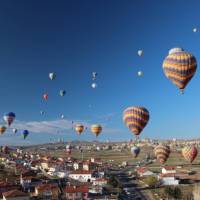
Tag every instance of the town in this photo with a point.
(95, 170)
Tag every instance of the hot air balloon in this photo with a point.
(42, 112)
(9, 118)
(94, 85)
(94, 76)
(189, 153)
(62, 93)
(2, 129)
(79, 128)
(140, 73)
(96, 129)
(25, 133)
(162, 153)
(62, 116)
(45, 96)
(52, 75)
(14, 130)
(140, 53)
(68, 149)
(5, 149)
(136, 118)
(179, 66)
(194, 30)
(135, 151)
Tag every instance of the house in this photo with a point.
(100, 181)
(15, 195)
(142, 171)
(76, 192)
(168, 170)
(46, 191)
(82, 176)
(86, 166)
(77, 165)
(168, 179)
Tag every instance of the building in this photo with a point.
(168, 179)
(47, 191)
(142, 171)
(168, 170)
(76, 192)
(15, 195)
(82, 176)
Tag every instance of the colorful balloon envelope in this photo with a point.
(189, 153)
(79, 128)
(179, 66)
(2, 129)
(9, 118)
(136, 118)
(45, 96)
(135, 151)
(52, 75)
(96, 129)
(162, 153)
(25, 133)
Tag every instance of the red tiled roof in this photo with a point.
(76, 189)
(169, 168)
(81, 172)
(14, 193)
(141, 170)
(47, 187)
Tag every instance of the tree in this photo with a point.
(173, 192)
(177, 193)
(112, 181)
(151, 181)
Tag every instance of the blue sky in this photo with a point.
(74, 38)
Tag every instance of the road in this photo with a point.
(130, 189)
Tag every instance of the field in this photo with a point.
(117, 157)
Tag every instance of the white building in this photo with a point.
(82, 176)
(168, 179)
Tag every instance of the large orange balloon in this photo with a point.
(79, 128)
(189, 153)
(136, 118)
(96, 129)
(162, 153)
(179, 66)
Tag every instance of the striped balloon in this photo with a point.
(162, 153)
(179, 66)
(96, 129)
(79, 128)
(189, 153)
(136, 118)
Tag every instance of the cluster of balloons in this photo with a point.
(95, 129)
(179, 66)
(45, 96)
(162, 153)
(94, 77)
(9, 119)
(140, 53)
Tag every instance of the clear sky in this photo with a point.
(73, 38)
